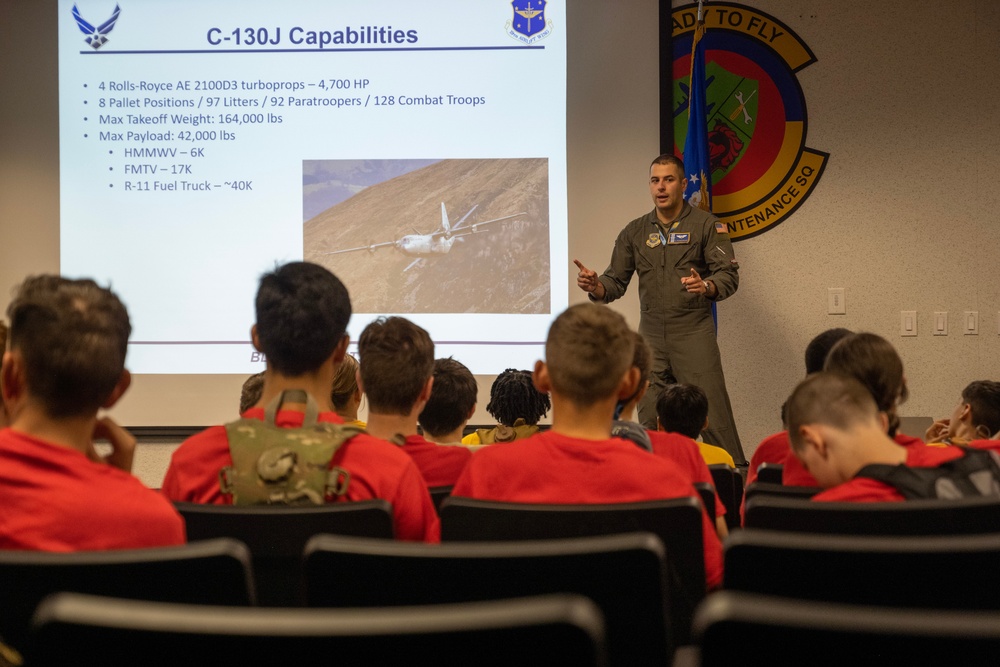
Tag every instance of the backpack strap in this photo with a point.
(975, 473)
(912, 483)
(293, 396)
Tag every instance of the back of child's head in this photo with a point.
(820, 346)
(588, 352)
(829, 399)
(345, 383)
(874, 362)
(682, 408)
(513, 396)
(253, 389)
(453, 395)
(397, 359)
(302, 314)
(983, 397)
(72, 335)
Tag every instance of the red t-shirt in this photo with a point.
(378, 470)
(440, 465)
(53, 498)
(553, 468)
(867, 490)
(685, 452)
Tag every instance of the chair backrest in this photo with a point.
(707, 493)
(760, 489)
(968, 516)
(770, 473)
(726, 479)
(209, 572)
(677, 522)
(940, 571)
(624, 574)
(76, 629)
(730, 626)
(438, 494)
(277, 535)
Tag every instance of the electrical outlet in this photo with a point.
(835, 301)
(941, 323)
(908, 322)
(971, 322)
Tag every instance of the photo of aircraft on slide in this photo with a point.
(433, 243)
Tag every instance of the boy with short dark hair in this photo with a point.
(65, 362)
(837, 430)
(683, 408)
(397, 364)
(588, 368)
(976, 417)
(452, 402)
(302, 313)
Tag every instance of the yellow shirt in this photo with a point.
(713, 455)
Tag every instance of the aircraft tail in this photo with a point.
(444, 220)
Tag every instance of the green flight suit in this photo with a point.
(678, 324)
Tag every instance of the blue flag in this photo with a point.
(699, 171)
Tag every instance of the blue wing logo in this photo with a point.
(96, 37)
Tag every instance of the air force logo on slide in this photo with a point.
(529, 24)
(96, 37)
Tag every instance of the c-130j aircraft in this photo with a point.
(434, 243)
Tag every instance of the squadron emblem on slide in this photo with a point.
(96, 37)
(528, 24)
(761, 168)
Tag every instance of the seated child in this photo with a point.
(683, 408)
(397, 365)
(302, 311)
(976, 417)
(588, 368)
(837, 429)
(452, 402)
(253, 389)
(516, 404)
(346, 395)
(64, 363)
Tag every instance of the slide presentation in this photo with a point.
(416, 149)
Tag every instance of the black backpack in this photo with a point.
(974, 474)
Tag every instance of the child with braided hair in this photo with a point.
(516, 405)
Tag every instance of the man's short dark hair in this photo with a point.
(513, 396)
(874, 362)
(588, 351)
(820, 346)
(453, 396)
(669, 158)
(72, 335)
(983, 397)
(831, 399)
(397, 359)
(682, 408)
(302, 314)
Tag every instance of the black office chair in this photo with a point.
(727, 480)
(735, 628)
(277, 535)
(544, 631)
(968, 516)
(438, 494)
(770, 473)
(624, 574)
(208, 572)
(942, 572)
(677, 522)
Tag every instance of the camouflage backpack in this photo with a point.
(285, 466)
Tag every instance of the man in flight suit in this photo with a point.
(685, 262)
